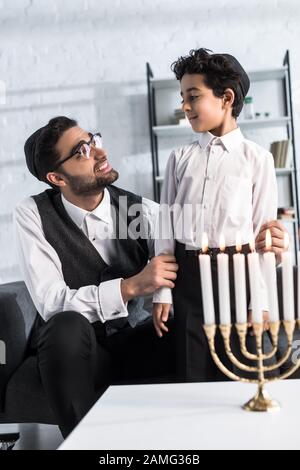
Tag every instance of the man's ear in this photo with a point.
(228, 98)
(56, 179)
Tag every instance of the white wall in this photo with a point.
(86, 59)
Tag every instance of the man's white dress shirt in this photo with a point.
(41, 267)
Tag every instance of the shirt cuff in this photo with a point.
(111, 303)
(163, 296)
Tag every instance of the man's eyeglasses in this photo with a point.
(83, 149)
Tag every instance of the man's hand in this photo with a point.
(159, 272)
(266, 319)
(160, 317)
(277, 230)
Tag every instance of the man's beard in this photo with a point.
(84, 186)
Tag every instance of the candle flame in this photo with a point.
(204, 242)
(222, 243)
(286, 240)
(268, 240)
(238, 242)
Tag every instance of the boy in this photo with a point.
(230, 180)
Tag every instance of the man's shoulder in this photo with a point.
(29, 201)
(26, 213)
(27, 204)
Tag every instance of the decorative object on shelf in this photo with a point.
(248, 108)
(286, 213)
(261, 401)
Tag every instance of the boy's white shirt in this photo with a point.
(232, 180)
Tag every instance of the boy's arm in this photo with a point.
(164, 234)
(265, 194)
(264, 203)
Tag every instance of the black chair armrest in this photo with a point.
(17, 315)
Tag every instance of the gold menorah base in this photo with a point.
(261, 402)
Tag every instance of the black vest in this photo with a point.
(82, 265)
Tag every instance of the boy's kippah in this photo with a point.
(244, 79)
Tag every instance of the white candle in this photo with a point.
(270, 278)
(223, 283)
(206, 284)
(254, 278)
(240, 283)
(287, 282)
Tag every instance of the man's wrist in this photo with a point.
(128, 289)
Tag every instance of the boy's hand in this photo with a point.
(277, 230)
(160, 316)
(266, 319)
(161, 271)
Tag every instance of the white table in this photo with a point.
(189, 416)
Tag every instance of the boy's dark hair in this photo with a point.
(219, 72)
(46, 154)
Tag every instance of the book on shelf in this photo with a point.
(286, 213)
(281, 153)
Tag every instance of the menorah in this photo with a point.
(261, 401)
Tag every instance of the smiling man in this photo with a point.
(86, 281)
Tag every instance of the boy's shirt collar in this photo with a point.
(229, 140)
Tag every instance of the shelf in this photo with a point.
(173, 130)
(254, 76)
(267, 74)
(290, 221)
(185, 130)
(267, 122)
(284, 171)
(159, 179)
